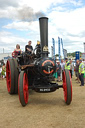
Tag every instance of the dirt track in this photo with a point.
(43, 110)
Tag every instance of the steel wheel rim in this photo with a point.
(64, 86)
(25, 88)
(8, 76)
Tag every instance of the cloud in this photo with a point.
(66, 19)
(7, 3)
(31, 10)
(70, 26)
(76, 3)
(82, 34)
(24, 26)
(18, 26)
(8, 41)
(22, 14)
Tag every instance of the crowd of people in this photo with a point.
(60, 67)
(79, 69)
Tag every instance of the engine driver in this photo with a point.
(29, 48)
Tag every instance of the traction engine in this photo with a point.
(35, 71)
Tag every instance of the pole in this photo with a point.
(3, 50)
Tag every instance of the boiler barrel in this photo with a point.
(43, 21)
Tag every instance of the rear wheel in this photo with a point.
(10, 76)
(23, 88)
(67, 87)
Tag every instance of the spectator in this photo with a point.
(84, 68)
(67, 64)
(71, 67)
(62, 67)
(0, 71)
(58, 69)
(77, 70)
(3, 71)
(29, 48)
(81, 72)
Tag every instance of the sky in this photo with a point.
(19, 23)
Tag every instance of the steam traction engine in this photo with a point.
(35, 71)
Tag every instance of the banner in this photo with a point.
(53, 41)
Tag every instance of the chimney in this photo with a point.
(43, 22)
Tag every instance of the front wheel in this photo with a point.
(67, 86)
(23, 88)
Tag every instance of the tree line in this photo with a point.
(70, 54)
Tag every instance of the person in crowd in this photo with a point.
(55, 73)
(84, 69)
(71, 67)
(58, 69)
(77, 70)
(83, 61)
(62, 67)
(3, 71)
(67, 64)
(81, 72)
(29, 48)
(0, 71)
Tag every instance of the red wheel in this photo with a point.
(10, 76)
(23, 88)
(67, 87)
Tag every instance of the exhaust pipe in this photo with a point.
(43, 22)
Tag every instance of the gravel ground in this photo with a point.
(43, 110)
